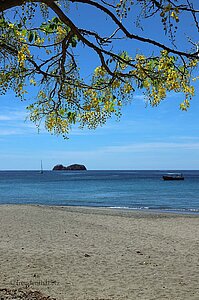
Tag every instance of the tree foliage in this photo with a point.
(40, 45)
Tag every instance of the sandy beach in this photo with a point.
(98, 254)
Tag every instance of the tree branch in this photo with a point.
(133, 36)
(6, 4)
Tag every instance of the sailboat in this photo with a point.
(41, 171)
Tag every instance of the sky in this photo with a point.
(145, 138)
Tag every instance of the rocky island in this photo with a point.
(74, 167)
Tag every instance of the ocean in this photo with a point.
(114, 189)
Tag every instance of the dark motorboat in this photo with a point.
(173, 176)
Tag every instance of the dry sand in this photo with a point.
(98, 254)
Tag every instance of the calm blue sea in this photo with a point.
(115, 189)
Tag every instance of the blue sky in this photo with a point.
(145, 138)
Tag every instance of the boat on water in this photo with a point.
(41, 171)
(173, 176)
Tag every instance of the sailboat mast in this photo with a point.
(41, 167)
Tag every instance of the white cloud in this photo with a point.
(13, 122)
(131, 148)
(143, 147)
(5, 132)
(185, 138)
(5, 118)
(139, 97)
(13, 116)
(18, 129)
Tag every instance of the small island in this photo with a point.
(74, 167)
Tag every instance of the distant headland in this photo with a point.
(74, 167)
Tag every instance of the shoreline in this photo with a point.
(75, 253)
(191, 212)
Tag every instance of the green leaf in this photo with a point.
(73, 42)
(30, 36)
(56, 20)
(52, 26)
(71, 117)
(24, 31)
(35, 35)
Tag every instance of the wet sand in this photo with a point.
(99, 254)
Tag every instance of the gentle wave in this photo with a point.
(188, 210)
